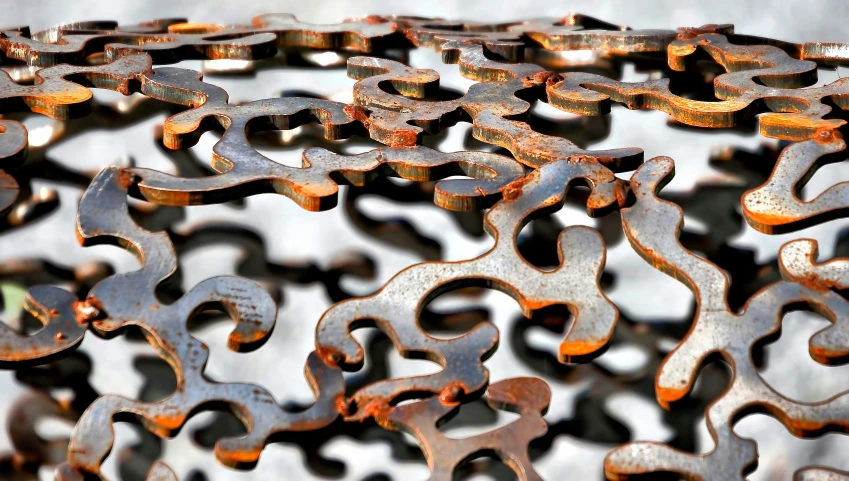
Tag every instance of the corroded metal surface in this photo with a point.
(527, 396)
(652, 226)
(580, 250)
(171, 40)
(104, 215)
(518, 169)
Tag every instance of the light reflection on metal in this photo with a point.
(44, 134)
(325, 59)
(227, 66)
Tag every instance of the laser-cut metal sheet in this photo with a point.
(172, 40)
(652, 226)
(104, 216)
(758, 76)
(528, 396)
(731, 80)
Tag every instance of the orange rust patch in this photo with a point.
(451, 393)
(330, 356)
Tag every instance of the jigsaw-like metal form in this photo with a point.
(758, 76)
(396, 307)
(104, 218)
(652, 227)
(775, 206)
(708, 77)
(172, 40)
(527, 396)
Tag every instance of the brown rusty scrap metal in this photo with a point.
(396, 307)
(527, 396)
(13, 150)
(760, 79)
(571, 32)
(104, 218)
(244, 171)
(491, 105)
(34, 203)
(652, 226)
(172, 40)
(775, 206)
(184, 87)
(65, 324)
(30, 447)
(59, 91)
(398, 105)
(509, 40)
(824, 53)
(65, 320)
(314, 186)
(63, 317)
(32, 451)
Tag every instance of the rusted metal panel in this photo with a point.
(764, 79)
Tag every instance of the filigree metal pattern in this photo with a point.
(729, 81)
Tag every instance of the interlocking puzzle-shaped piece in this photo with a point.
(243, 170)
(51, 73)
(527, 396)
(396, 307)
(173, 40)
(508, 40)
(652, 226)
(104, 218)
(64, 327)
(13, 151)
(775, 207)
(61, 91)
(491, 106)
(31, 448)
(759, 79)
